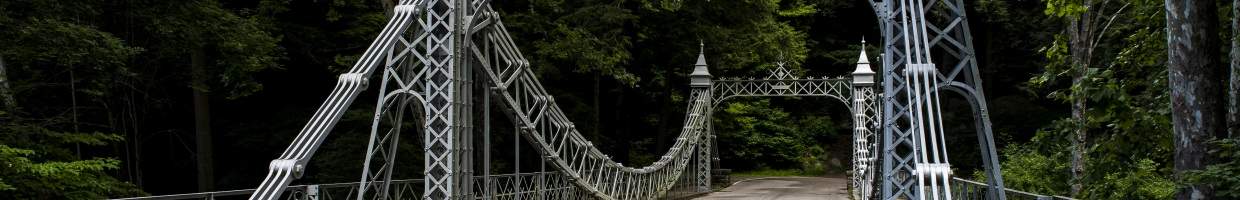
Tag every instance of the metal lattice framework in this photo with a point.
(914, 161)
(781, 82)
(857, 94)
(451, 40)
(435, 54)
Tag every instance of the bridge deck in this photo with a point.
(785, 188)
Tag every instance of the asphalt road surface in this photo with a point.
(785, 188)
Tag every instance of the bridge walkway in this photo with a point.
(784, 188)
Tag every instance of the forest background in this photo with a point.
(106, 98)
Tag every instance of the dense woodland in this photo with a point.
(1093, 99)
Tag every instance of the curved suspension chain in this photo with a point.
(549, 130)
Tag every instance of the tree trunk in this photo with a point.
(202, 119)
(595, 134)
(1233, 89)
(1196, 82)
(1080, 33)
(7, 103)
(388, 7)
(621, 133)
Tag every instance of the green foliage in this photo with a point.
(590, 36)
(1223, 176)
(1146, 180)
(34, 163)
(1065, 8)
(44, 39)
(1042, 168)
(637, 54)
(755, 135)
(103, 69)
(1027, 170)
(1128, 116)
(239, 46)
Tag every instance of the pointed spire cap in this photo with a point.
(701, 61)
(863, 76)
(863, 58)
(701, 75)
(699, 68)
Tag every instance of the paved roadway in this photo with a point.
(784, 188)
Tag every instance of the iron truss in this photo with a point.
(431, 53)
(782, 82)
(914, 159)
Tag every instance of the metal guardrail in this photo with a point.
(400, 188)
(534, 185)
(969, 190)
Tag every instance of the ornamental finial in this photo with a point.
(863, 76)
(701, 75)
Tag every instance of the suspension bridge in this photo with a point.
(442, 65)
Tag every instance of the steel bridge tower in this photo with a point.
(911, 87)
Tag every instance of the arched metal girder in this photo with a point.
(947, 34)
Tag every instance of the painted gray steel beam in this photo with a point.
(948, 33)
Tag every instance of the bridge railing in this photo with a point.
(686, 185)
(968, 190)
(534, 185)
(400, 189)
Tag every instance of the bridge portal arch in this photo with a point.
(857, 93)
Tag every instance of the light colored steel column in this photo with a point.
(516, 159)
(487, 193)
(862, 95)
(542, 179)
(700, 79)
(441, 19)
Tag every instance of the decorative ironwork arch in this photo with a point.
(782, 82)
(856, 93)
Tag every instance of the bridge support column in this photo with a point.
(864, 113)
(447, 92)
(700, 80)
(947, 34)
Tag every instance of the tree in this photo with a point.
(1233, 83)
(1087, 22)
(1224, 175)
(36, 161)
(224, 49)
(1128, 120)
(639, 53)
(1196, 80)
(35, 165)
(7, 103)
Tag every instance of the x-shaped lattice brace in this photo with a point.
(947, 32)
